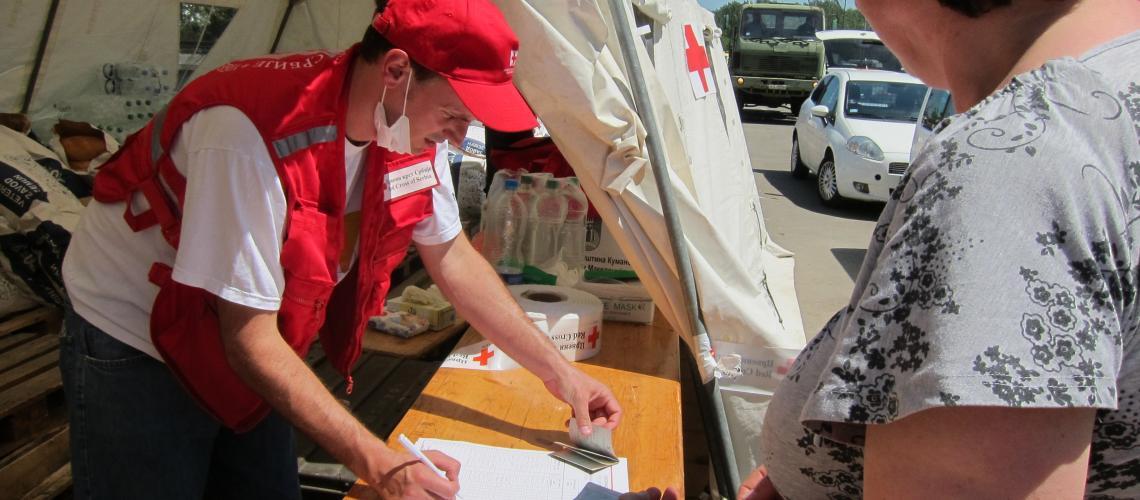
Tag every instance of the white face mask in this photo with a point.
(396, 138)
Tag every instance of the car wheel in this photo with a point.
(740, 103)
(795, 107)
(827, 185)
(799, 170)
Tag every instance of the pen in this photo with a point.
(420, 455)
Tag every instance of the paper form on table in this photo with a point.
(490, 472)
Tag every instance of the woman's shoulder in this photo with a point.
(1052, 120)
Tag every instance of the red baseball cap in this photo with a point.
(470, 44)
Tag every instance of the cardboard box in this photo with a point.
(628, 301)
(602, 251)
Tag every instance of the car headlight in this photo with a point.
(865, 147)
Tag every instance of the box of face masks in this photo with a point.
(602, 250)
(621, 301)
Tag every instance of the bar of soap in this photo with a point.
(400, 324)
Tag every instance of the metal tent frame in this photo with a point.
(709, 398)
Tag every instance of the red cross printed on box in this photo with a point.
(484, 356)
(700, 73)
(593, 338)
(785, 367)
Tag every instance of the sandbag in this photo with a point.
(38, 215)
(83, 146)
(83, 149)
(16, 121)
(13, 298)
(14, 295)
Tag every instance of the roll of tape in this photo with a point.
(571, 318)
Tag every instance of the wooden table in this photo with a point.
(640, 363)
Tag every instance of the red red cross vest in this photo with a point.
(297, 102)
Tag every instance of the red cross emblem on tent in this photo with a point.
(700, 73)
(593, 337)
(484, 356)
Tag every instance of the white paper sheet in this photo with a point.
(490, 472)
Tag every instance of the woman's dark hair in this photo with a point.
(373, 45)
(972, 8)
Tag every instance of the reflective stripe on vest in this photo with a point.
(301, 140)
(156, 136)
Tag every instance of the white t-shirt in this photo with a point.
(232, 230)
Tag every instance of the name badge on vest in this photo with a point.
(408, 180)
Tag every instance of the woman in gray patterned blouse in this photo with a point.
(989, 349)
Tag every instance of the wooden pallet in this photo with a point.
(34, 456)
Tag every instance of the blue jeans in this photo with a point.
(135, 433)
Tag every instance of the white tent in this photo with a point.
(744, 281)
(595, 95)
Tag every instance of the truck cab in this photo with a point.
(776, 58)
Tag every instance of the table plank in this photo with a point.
(640, 363)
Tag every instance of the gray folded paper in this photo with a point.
(592, 453)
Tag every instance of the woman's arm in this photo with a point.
(979, 452)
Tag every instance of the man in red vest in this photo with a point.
(268, 202)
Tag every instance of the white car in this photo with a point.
(857, 49)
(937, 106)
(854, 132)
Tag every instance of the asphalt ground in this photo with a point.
(829, 243)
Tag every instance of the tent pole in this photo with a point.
(281, 28)
(31, 88)
(723, 455)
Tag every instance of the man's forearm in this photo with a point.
(479, 297)
(263, 359)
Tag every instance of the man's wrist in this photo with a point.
(554, 368)
(371, 457)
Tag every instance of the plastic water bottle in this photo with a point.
(137, 87)
(527, 189)
(549, 214)
(540, 179)
(527, 194)
(494, 191)
(538, 186)
(498, 180)
(505, 226)
(125, 71)
(573, 234)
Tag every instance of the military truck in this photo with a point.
(776, 59)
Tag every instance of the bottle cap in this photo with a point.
(511, 184)
(551, 183)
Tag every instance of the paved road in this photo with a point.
(829, 243)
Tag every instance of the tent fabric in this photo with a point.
(85, 36)
(21, 35)
(249, 34)
(590, 114)
(571, 70)
(326, 24)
